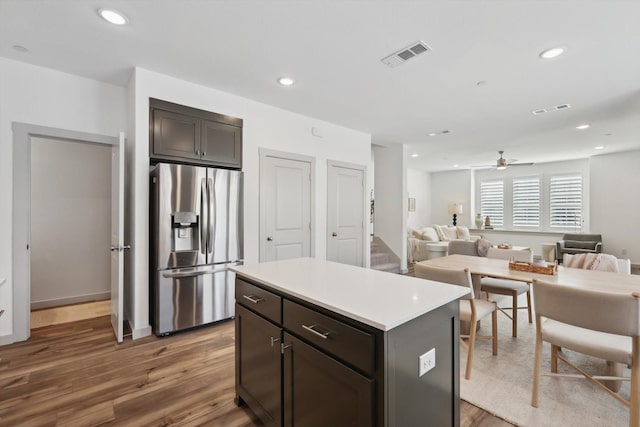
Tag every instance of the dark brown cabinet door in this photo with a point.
(320, 391)
(258, 365)
(221, 144)
(175, 135)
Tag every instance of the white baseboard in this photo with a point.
(140, 332)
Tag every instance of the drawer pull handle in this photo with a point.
(324, 336)
(253, 299)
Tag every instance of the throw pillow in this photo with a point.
(482, 246)
(441, 235)
(429, 234)
(451, 233)
(463, 233)
(415, 233)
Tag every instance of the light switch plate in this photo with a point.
(427, 361)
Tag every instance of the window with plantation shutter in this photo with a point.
(492, 201)
(526, 202)
(565, 201)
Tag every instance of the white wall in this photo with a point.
(448, 188)
(418, 185)
(615, 202)
(391, 199)
(70, 222)
(264, 127)
(44, 97)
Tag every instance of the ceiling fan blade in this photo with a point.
(483, 166)
(521, 164)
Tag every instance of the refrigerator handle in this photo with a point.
(204, 217)
(212, 215)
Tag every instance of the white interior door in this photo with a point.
(285, 208)
(117, 237)
(345, 213)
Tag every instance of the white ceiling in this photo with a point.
(334, 49)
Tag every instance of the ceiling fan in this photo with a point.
(502, 163)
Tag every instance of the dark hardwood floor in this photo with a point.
(75, 374)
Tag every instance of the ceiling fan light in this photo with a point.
(501, 167)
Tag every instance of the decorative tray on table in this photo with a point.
(544, 268)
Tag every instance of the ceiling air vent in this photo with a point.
(406, 54)
(548, 109)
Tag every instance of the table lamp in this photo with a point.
(455, 209)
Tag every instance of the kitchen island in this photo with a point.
(320, 343)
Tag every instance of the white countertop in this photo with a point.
(379, 299)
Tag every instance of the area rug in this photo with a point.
(502, 384)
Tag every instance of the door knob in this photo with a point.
(334, 234)
(269, 239)
(114, 248)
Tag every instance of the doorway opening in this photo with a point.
(70, 230)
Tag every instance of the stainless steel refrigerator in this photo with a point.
(196, 234)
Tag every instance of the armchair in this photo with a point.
(578, 243)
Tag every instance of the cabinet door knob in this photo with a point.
(269, 238)
(334, 234)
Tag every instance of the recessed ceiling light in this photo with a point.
(552, 53)
(20, 49)
(456, 166)
(599, 147)
(286, 81)
(584, 126)
(415, 155)
(112, 16)
(432, 134)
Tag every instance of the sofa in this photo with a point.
(578, 243)
(431, 241)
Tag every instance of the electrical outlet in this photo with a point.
(623, 251)
(427, 361)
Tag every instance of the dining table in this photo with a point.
(606, 281)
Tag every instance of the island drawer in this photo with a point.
(350, 344)
(259, 300)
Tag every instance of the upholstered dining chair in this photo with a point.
(471, 309)
(599, 324)
(511, 288)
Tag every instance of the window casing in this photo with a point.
(546, 201)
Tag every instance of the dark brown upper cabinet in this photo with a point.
(189, 135)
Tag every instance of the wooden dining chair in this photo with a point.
(512, 288)
(471, 309)
(600, 324)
